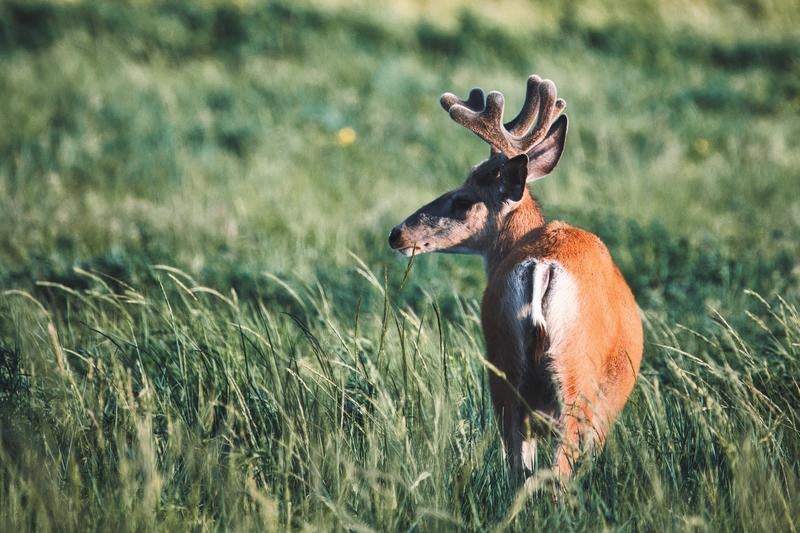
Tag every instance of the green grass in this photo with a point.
(201, 324)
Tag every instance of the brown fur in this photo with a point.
(561, 326)
(599, 360)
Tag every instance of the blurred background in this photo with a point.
(228, 138)
(263, 150)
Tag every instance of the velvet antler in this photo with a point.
(483, 115)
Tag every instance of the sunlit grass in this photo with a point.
(184, 405)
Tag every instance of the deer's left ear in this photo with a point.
(513, 177)
(543, 158)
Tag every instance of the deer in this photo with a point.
(562, 329)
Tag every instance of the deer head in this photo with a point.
(472, 218)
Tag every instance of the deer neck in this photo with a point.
(513, 228)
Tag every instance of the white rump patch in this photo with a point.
(541, 281)
(560, 307)
(528, 284)
(543, 295)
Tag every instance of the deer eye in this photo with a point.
(462, 203)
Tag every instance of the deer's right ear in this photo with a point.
(545, 155)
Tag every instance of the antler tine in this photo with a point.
(522, 122)
(476, 100)
(530, 109)
(549, 108)
(480, 114)
(486, 123)
(483, 115)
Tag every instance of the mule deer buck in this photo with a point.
(561, 326)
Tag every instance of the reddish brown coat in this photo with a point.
(596, 358)
(562, 329)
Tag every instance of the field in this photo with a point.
(202, 326)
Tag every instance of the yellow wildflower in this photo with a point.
(346, 136)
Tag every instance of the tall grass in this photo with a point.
(182, 405)
(201, 325)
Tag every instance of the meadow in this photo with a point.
(202, 326)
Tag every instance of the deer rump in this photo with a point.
(537, 303)
(565, 346)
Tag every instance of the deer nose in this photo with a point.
(394, 237)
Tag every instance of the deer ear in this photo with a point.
(513, 177)
(544, 157)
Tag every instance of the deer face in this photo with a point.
(469, 218)
(459, 221)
